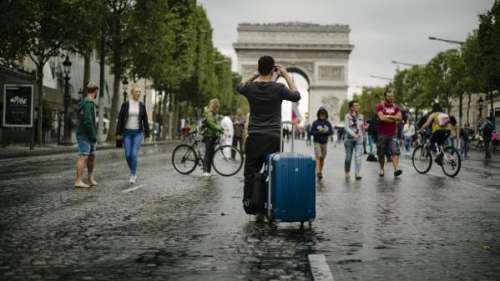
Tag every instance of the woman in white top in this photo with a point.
(132, 127)
(408, 133)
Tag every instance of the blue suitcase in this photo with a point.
(292, 188)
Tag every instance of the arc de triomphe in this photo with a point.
(320, 53)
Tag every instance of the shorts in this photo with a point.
(320, 150)
(386, 144)
(85, 147)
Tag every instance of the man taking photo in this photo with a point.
(264, 96)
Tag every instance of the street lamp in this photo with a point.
(446, 40)
(404, 63)
(125, 87)
(381, 77)
(67, 70)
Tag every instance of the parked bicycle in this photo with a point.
(423, 156)
(227, 161)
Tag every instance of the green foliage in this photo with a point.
(489, 46)
(368, 100)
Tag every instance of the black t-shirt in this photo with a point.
(265, 98)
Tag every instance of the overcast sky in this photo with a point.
(381, 30)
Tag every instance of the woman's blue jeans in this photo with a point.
(132, 140)
(355, 147)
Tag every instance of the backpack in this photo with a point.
(487, 127)
(443, 119)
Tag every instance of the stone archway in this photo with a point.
(318, 52)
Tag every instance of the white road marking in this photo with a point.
(132, 189)
(319, 268)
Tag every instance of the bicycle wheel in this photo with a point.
(227, 161)
(421, 159)
(184, 159)
(451, 161)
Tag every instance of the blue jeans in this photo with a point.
(464, 148)
(408, 144)
(132, 140)
(352, 145)
(371, 142)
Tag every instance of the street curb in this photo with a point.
(70, 149)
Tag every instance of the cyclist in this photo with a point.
(440, 124)
(212, 133)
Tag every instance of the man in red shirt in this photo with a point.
(389, 114)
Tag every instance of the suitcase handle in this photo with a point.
(282, 141)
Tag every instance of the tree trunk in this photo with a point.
(117, 63)
(171, 116)
(164, 115)
(468, 106)
(39, 91)
(86, 71)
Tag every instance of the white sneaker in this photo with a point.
(132, 179)
(81, 184)
(206, 174)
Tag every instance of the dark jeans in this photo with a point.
(237, 141)
(439, 137)
(487, 146)
(257, 149)
(209, 153)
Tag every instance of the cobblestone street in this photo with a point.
(173, 227)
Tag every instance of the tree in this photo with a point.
(474, 81)
(88, 16)
(489, 45)
(37, 29)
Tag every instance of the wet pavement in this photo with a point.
(173, 227)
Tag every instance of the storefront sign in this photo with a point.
(18, 106)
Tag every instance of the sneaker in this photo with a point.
(207, 174)
(347, 176)
(320, 176)
(260, 218)
(92, 182)
(358, 177)
(439, 159)
(81, 184)
(398, 173)
(381, 173)
(132, 179)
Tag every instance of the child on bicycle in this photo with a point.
(440, 124)
(212, 133)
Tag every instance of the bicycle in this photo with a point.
(227, 161)
(422, 157)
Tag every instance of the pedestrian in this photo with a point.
(308, 134)
(486, 128)
(465, 140)
(86, 136)
(211, 135)
(372, 136)
(453, 140)
(353, 143)
(389, 114)
(408, 133)
(265, 97)
(227, 138)
(132, 128)
(239, 131)
(321, 129)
